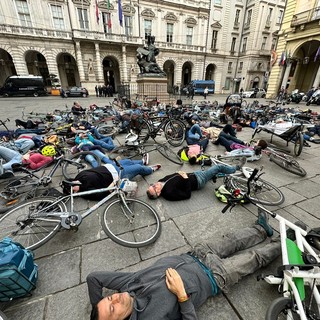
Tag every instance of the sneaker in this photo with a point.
(263, 222)
(145, 159)
(243, 161)
(156, 167)
(7, 174)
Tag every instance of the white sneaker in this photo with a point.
(145, 159)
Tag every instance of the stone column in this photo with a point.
(80, 62)
(98, 62)
(124, 64)
(316, 81)
(286, 75)
(19, 62)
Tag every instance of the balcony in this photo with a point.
(236, 25)
(230, 69)
(34, 32)
(268, 24)
(180, 46)
(305, 17)
(246, 26)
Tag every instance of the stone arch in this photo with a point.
(111, 71)
(169, 67)
(36, 63)
(210, 71)
(67, 69)
(148, 13)
(186, 73)
(7, 67)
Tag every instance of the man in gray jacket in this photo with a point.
(175, 286)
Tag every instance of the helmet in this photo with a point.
(48, 151)
(131, 139)
(222, 193)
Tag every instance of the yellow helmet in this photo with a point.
(48, 151)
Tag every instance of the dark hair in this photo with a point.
(179, 102)
(263, 144)
(151, 195)
(94, 313)
(193, 160)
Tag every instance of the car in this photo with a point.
(77, 92)
(250, 93)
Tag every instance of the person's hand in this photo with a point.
(183, 174)
(175, 283)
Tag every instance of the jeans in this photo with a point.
(10, 156)
(193, 137)
(228, 268)
(106, 143)
(100, 155)
(204, 176)
(24, 145)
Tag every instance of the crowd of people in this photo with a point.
(184, 282)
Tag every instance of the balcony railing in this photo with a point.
(305, 17)
(180, 46)
(36, 32)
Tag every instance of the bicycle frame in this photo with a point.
(294, 279)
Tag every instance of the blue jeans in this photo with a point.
(24, 145)
(10, 156)
(204, 176)
(106, 143)
(193, 137)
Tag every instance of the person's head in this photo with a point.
(154, 190)
(118, 306)
(262, 143)
(179, 102)
(76, 104)
(193, 159)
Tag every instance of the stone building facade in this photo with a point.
(88, 43)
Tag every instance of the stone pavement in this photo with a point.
(65, 261)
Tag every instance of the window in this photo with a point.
(230, 67)
(1, 17)
(280, 15)
(189, 35)
(83, 18)
(249, 14)
(23, 13)
(217, 2)
(147, 28)
(237, 17)
(128, 26)
(240, 66)
(214, 39)
(273, 43)
(57, 17)
(264, 42)
(233, 44)
(244, 44)
(169, 32)
(227, 84)
(269, 16)
(106, 20)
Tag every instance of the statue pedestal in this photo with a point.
(153, 86)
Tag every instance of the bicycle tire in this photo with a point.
(77, 163)
(24, 227)
(261, 191)
(298, 144)
(143, 131)
(3, 316)
(175, 132)
(144, 229)
(128, 152)
(107, 130)
(169, 154)
(230, 160)
(290, 165)
(278, 310)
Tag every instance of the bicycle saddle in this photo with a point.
(313, 238)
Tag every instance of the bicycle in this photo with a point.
(128, 222)
(262, 191)
(29, 185)
(300, 268)
(134, 148)
(153, 124)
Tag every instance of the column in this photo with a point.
(286, 75)
(19, 62)
(80, 62)
(317, 79)
(124, 64)
(98, 62)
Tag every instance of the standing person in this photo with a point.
(191, 92)
(241, 92)
(205, 92)
(256, 90)
(175, 286)
(178, 186)
(97, 91)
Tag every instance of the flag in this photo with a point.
(317, 54)
(109, 16)
(97, 12)
(120, 12)
(281, 59)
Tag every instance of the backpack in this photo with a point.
(18, 272)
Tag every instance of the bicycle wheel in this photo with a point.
(79, 162)
(29, 224)
(143, 130)
(261, 191)
(3, 316)
(131, 223)
(174, 132)
(169, 154)
(230, 160)
(128, 152)
(288, 163)
(281, 308)
(107, 130)
(298, 144)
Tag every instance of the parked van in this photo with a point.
(200, 85)
(23, 86)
